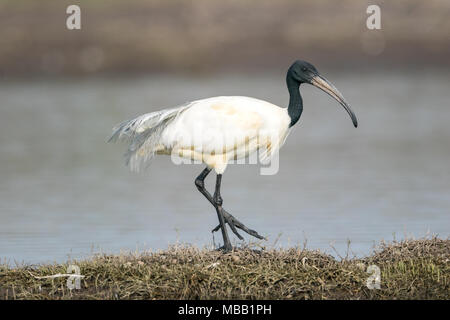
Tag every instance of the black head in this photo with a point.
(304, 72)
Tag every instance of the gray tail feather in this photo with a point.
(143, 135)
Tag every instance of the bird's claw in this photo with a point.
(235, 223)
(225, 249)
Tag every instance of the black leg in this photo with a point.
(218, 204)
(200, 184)
(232, 221)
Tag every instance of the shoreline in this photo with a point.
(409, 269)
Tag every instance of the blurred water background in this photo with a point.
(65, 192)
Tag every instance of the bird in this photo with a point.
(218, 130)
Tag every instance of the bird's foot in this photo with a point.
(235, 223)
(225, 248)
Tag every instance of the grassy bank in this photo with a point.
(413, 269)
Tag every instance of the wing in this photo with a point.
(221, 125)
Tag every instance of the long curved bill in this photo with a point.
(323, 84)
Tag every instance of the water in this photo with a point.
(65, 192)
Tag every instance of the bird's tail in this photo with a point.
(143, 135)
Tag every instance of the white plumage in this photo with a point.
(214, 131)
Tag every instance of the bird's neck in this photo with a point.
(295, 107)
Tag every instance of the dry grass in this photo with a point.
(413, 269)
